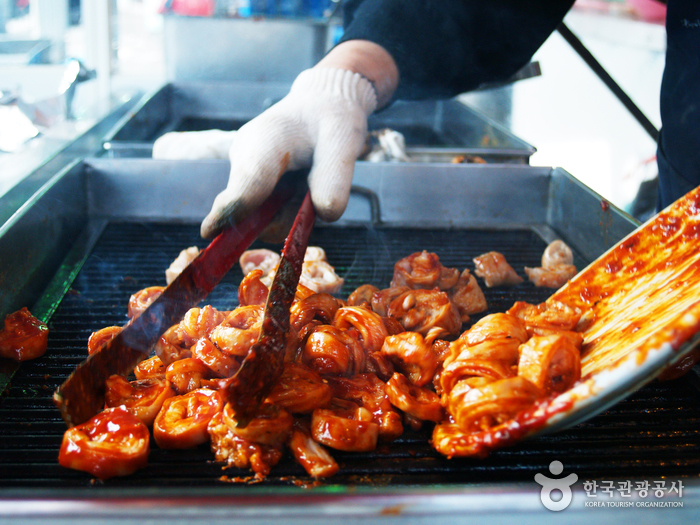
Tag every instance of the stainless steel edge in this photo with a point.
(456, 195)
(144, 150)
(157, 97)
(60, 283)
(34, 241)
(17, 51)
(160, 110)
(146, 189)
(474, 505)
(573, 205)
(511, 142)
(489, 155)
(460, 124)
(445, 195)
(131, 150)
(62, 280)
(239, 100)
(419, 194)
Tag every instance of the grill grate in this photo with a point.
(654, 432)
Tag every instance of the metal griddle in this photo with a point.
(104, 229)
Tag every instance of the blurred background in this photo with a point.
(64, 65)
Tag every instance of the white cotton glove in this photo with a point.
(321, 123)
(192, 145)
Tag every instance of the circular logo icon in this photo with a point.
(561, 484)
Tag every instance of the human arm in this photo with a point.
(400, 49)
(446, 47)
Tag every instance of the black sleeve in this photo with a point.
(446, 47)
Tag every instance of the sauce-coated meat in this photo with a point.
(551, 362)
(355, 373)
(182, 261)
(423, 270)
(412, 355)
(369, 392)
(23, 337)
(329, 350)
(183, 420)
(422, 310)
(102, 337)
(345, 426)
(556, 253)
(557, 266)
(142, 299)
(144, 397)
(467, 296)
(553, 277)
(493, 268)
(369, 325)
(300, 390)
(315, 459)
(113, 443)
(421, 403)
(252, 291)
(320, 277)
(476, 408)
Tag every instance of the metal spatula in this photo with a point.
(642, 304)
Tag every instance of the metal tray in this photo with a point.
(435, 131)
(256, 48)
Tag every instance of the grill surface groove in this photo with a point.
(654, 432)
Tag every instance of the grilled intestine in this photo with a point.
(423, 270)
(316, 273)
(261, 259)
(493, 268)
(557, 266)
(101, 337)
(356, 374)
(142, 299)
(496, 370)
(182, 261)
(23, 336)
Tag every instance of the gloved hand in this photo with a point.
(321, 123)
(180, 145)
